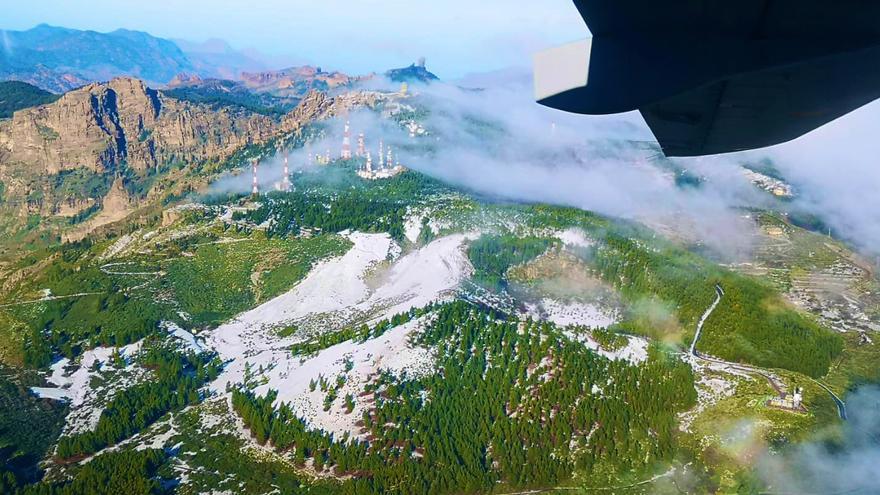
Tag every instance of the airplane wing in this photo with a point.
(713, 76)
(763, 108)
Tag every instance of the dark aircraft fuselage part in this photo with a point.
(715, 76)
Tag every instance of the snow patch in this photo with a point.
(635, 351)
(86, 402)
(421, 277)
(711, 388)
(574, 237)
(189, 340)
(117, 247)
(412, 227)
(334, 285)
(573, 313)
(391, 351)
(335, 290)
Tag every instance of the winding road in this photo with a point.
(49, 298)
(774, 381)
(841, 405)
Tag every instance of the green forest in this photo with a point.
(752, 324)
(493, 255)
(15, 95)
(178, 378)
(335, 199)
(222, 94)
(513, 403)
(129, 472)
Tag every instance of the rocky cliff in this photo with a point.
(101, 126)
(62, 158)
(296, 81)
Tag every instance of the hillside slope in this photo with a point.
(15, 95)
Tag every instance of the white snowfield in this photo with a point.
(574, 237)
(336, 291)
(392, 352)
(332, 286)
(412, 226)
(635, 351)
(574, 313)
(86, 403)
(188, 340)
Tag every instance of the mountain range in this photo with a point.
(101, 151)
(59, 59)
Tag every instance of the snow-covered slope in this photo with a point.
(335, 294)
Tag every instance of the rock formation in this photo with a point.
(104, 125)
(104, 132)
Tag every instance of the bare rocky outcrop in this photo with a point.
(101, 126)
(318, 106)
(104, 126)
(295, 80)
(122, 128)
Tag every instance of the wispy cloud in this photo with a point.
(497, 141)
(846, 466)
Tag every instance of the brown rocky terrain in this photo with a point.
(123, 121)
(101, 133)
(296, 80)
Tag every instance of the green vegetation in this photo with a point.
(751, 324)
(70, 326)
(85, 214)
(216, 282)
(177, 380)
(81, 184)
(493, 255)
(509, 406)
(221, 462)
(361, 334)
(28, 428)
(335, 199)
(349, 210)
(15, 95)
(131, 472)
(209, 280)
(222, 94)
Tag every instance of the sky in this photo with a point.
(456, 37)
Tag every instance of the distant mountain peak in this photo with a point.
(416, 72)
(295, 80)
(60, 59)
(184, 79)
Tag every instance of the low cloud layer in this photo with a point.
(495, 140)
(837, 171)
(847, 467)
(498, 141)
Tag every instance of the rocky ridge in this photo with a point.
(124, 129)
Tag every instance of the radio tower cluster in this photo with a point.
(256, 189)
(285, 181)
(386, 165)
(346, 143)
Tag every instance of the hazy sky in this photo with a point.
(456, 36)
